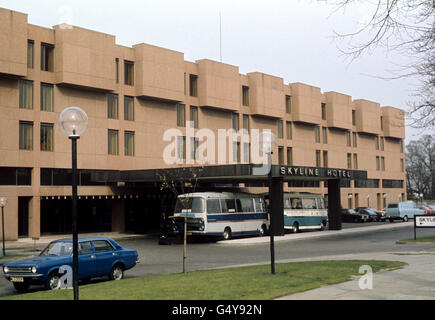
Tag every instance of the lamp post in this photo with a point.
(73, 121)
(267, 144)
(3, 201)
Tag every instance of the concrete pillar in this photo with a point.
(35, 217)
(334, 204)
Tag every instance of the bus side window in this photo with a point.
(247, 205)
(213, 206)
(238, 206)
(224, 206)
(231, 205)
(259, 207)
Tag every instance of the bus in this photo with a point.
(222, 214)
(304, 210)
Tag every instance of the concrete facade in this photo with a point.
(84, 67)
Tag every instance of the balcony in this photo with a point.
(84, 58)
(218, 85)
(159, 73)
(13, 41)
(266, 95)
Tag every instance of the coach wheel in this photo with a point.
(405, 219)
(295, 227)
(227, 233)
(263, 230)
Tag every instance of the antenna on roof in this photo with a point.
(220, 35)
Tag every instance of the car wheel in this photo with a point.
(227, 233)
(53, 282)
(21, 286)
(405, 219)
(295, 227)
(117, 272)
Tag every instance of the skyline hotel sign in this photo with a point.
(321, 173)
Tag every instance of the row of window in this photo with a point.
(47, 56)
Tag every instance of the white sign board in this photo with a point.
(425, 221)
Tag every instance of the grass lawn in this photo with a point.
(421, 239)
(253, 282)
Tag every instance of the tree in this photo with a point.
(406, 27)
(420, 167)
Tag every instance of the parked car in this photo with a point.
(402, 211)
(98, 257)
(380, 214)
(350, 215)
(427, 209)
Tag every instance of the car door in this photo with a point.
(87, 260)
(105, 256)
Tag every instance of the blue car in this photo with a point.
(98, 257)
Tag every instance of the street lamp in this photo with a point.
(73, 121)
(267, 143)
(3, 201)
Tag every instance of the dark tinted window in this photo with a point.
(392, 205)
(102, 246)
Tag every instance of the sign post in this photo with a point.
(423, 221)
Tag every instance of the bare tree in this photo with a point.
(408, 28)
(420, 167)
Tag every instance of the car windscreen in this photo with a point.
(57, 249)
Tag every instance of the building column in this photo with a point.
(118, 215)
(35, 217)
(334, 204)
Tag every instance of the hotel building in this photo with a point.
(132, 96)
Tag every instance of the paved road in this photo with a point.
(160, 259)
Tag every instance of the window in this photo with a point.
(382, 163)
(26, 135)
(117, 70)
(213, 206)
(349, 161)
(113, 146)
(280, 124)
(85, 248)
(194, 116)
(193, 85)
(325, 159)
(246, 152)
(317, 134)
(112, 106)
(46, 137)
(402, 165)
(382, 143)
(289, 156)
(401, 145)
(281, 155)
(30, 53)
(323, 106)
(194, 141)
(289, 132)
(15, 176)
(128, 73)
(235, 120)
(288, 104)
(378, 164)
(354, 139)
(128, 108)
(47, 97)
(246, 124)
(347, 139)
(47, 57)
(236, 151)
(355, 161)
(26, 94)
(102, 246)
(382, 122)
(324, 135)
(245, 95)
(129, 143)
(181, 115)
(353, 117)
(318, 160)
(377, 143)
(181, 147)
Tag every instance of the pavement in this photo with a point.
(416, 281)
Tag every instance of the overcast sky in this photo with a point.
(292, 39)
